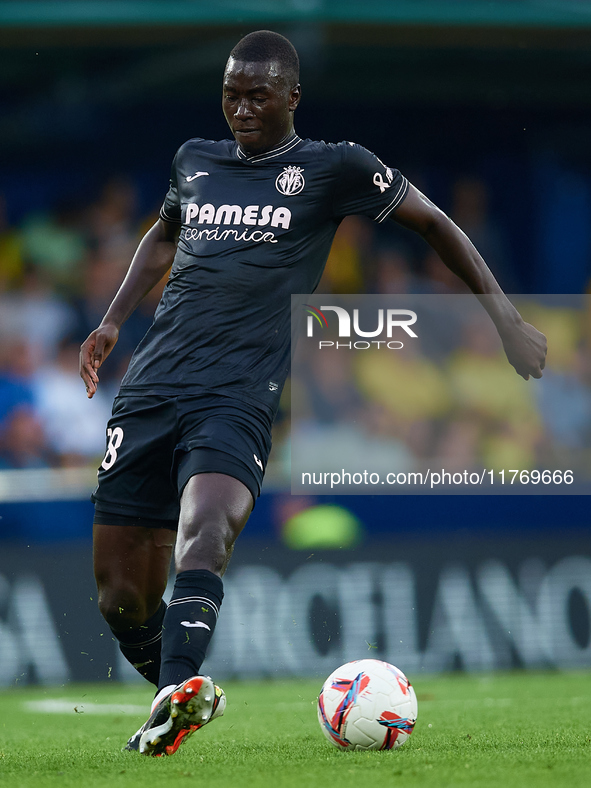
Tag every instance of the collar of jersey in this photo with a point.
(285, 147)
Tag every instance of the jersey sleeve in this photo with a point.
(171, 207)
(366, 186)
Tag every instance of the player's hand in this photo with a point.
(93, 352)
(526, 349)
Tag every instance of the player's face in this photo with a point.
(258, 104)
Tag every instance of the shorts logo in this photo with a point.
(258, 462)
(273, 386)
(290, 181)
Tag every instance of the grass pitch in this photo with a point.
(526, 729)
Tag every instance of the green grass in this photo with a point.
(503, 730)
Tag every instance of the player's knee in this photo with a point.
(122, 608)
(206, 537)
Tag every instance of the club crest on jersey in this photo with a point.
(290, 181)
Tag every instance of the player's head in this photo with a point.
(265, 46)
(261, 90)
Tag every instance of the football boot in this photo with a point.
(177, 712)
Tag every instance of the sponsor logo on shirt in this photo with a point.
(290, 181)
(253, 216)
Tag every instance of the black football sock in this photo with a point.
(188, 625)
(142, 646)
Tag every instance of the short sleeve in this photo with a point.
(366, 186)
(171, 207)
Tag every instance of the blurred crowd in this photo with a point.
(59, 271)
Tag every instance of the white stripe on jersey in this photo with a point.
(395, 202)
(287, 146)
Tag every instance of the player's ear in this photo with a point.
(295, 94)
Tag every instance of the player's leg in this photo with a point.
(221, 458)
(131, 567)
(214, 510)
(224, 449)
(136, 515)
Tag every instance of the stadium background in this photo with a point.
(486, 107)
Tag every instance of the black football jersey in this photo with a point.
(254, 230)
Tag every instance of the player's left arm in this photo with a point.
(524, 345)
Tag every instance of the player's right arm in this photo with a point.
(150, 263)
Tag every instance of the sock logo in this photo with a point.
(201, 624)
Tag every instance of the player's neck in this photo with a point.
(290, 134)
(287, 138)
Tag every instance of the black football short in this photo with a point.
(156, 443)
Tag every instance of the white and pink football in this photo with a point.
(367, 705)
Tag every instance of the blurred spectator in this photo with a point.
(36, 315)
(411, 388)
(458, 445)
(564, 400)
(11, 251)
(103, 274)
(22, 441)
(112, 220)
(349, 262)
(470, 211)
(16, 369)
(332, 420)
(393, 272)
(508, 447)
(485, 384)
(333, 395)
(486, 387)
(75, 425)
(55, 245)
(564, 395)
